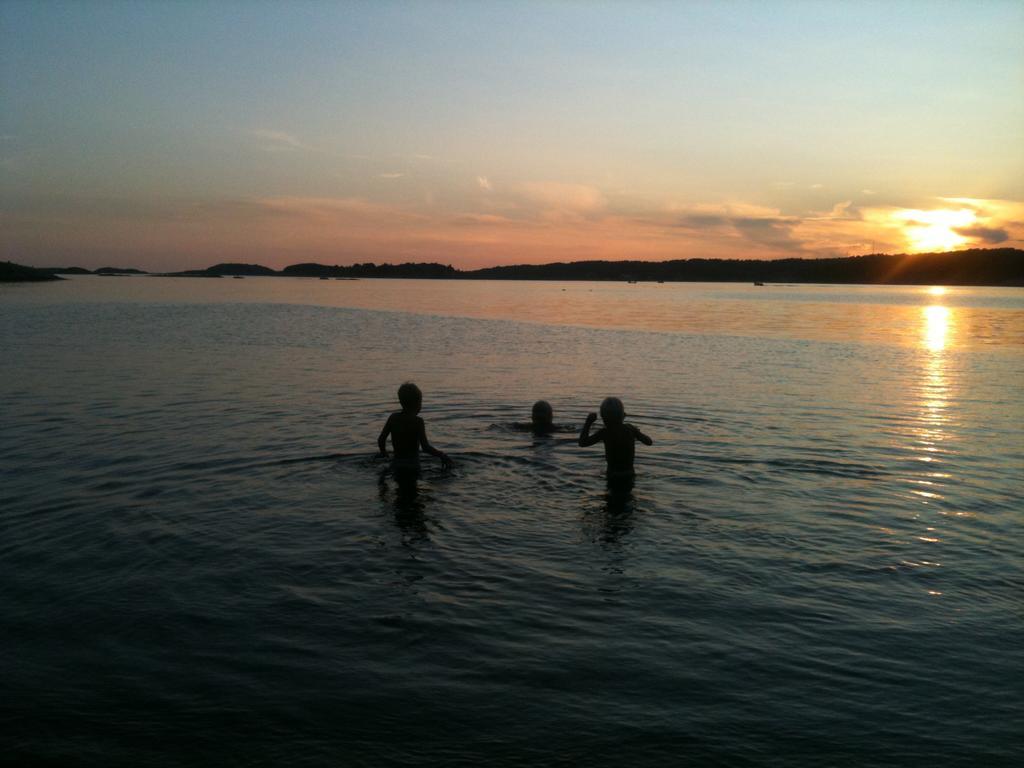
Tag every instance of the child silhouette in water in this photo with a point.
(619, 438)
(408, 433)
(541, 419)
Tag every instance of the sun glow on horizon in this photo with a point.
(935, 230)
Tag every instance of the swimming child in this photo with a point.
(408, 433)
(541, 419)
(619, 438)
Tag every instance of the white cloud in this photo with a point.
(484, 183)
(390, 175)
(843, 210)
(277, 141)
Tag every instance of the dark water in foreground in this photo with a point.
(821, 561)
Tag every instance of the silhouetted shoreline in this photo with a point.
(16, 273)
(977, 266)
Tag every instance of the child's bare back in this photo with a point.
(618, 437)
(407, 430)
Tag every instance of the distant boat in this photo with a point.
(325, 278)
(239, 277)
(758, 283)
(632, 282)
(660, 282)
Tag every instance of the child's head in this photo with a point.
(410, 397)
(613, 411)
(542, 413)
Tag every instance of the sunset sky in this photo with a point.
(178, 135)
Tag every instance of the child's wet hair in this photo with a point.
(542, 411)
(409, 395)
(613, 411)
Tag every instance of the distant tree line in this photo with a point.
(977, 266)
(996, 266)
(17, 273)
(435, 271)
(1002, 266)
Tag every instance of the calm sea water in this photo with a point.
(821, 561)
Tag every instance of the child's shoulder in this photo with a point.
(410, 418)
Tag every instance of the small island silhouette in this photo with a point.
(16, 273)
(975, 266)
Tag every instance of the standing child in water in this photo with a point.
(408, 433)
(619, 438)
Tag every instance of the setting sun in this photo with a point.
(935, 230)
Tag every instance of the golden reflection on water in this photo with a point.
(934, 389)
(931, 430)
(937, 321)
(928, 437)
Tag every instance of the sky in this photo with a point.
(176, 135)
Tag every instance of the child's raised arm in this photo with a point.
(426, 446)
(382, 441)
(585, 437)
